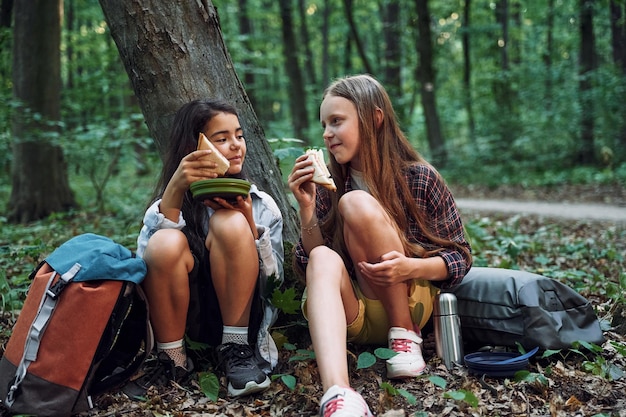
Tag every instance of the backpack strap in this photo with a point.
(35, 333)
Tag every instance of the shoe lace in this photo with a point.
(333, 405)
(401, 345)
(238, 355)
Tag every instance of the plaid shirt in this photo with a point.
(435, 200)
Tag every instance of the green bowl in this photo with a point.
(226, 188)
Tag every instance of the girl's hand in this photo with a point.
(193, 167)
(393, 268)
(300, 183)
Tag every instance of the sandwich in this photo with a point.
(215, 156)
(321, 175)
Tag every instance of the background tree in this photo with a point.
(173, 53)
(297, 95)
(427, 79)
(467, 68)
(40, 184)
(536, 137)
(587, 66)
(618, 42)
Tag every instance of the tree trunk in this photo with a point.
(467, 69)
(367, 67)
(427, 80)
(297, 94)
(618, 42)
(173, 53)
(504, 96)
(245, 29)
(587, 65)
(309, 65)
(39, 174)
(393, 56)
(548, 59)
(6, 11)
(325, 47)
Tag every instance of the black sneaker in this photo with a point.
(160, 374)
(243, 374)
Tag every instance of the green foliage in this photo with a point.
(393, 391)
(287, 379)
(460, 395)
(365, 360)
(11, 299)
(209, 385)
(302, 355)
(287, 300)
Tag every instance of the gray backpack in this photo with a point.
(499, 307)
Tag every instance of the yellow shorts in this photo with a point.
(371, 325)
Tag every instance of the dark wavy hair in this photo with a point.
(188, 122)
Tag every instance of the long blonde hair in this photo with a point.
(385, 155)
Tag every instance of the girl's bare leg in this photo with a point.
(368, 234)
(331, 303)
(234, 265)
(169, 261)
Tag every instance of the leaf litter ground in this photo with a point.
(560, 386)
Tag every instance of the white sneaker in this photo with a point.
(408, 362)
(343, 402)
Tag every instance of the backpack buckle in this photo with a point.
(55, 290)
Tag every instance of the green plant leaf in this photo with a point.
(549, 352)
(210, 385)
(437, 380)
(302, 355)
(286, 301)
(527, 376)
(390, 389)
(462, 395)
(289, 381)
(365, 360)
(621, 348)
(411, 399)
(289, 346)
(385, 353)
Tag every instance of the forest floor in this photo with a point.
(556, 386)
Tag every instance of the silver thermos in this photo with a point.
(448, 330)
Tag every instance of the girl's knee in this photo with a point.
(166, 246)
(324, 265)
(228, 223)
(360, 207)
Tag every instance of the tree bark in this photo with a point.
(547, 59)
(40, 184)
(297, 94)
(6, 11)
(467, 69)
(587, 65)
(309, 65)
(427, 80)
(367, 66)
(393, 55)
(618, 42)
(173, 53)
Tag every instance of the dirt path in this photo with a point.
(578, 211)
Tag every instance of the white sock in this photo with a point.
(233, 334)
(175, 350)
